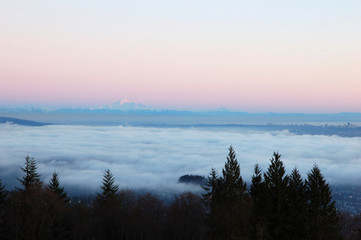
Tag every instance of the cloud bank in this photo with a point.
(142, 157)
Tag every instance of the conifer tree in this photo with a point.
(210, 187)
(234, 200)
(211, 201)
(231, 176)
(54, 186)
(276, 184)
(107, 210)
(322, 215)
(31, 179)
(257, 187)
(297, 206)
(110, 189)
(259, 197)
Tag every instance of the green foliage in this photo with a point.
(31, 178)
(54, 186)
(322, 216)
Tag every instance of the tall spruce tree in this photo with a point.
(322, 215)
(234, 200)
(259, 198)
(108, 210)
(110, 189)
(31, 178)
(54, 186)
(276, 184)
(210, 187)
(210, 200)
(297, 206)
(232, 180)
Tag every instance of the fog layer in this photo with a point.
(142, 157)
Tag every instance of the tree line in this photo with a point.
(274, 206)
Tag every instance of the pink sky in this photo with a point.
(200, 55)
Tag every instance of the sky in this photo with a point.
(254, 56)
(154, 158)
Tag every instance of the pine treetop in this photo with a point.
(257, 176)
(211, 180)
(321, 208)
(109, 188)
(231, 173)
(295, 178)
(31, 177)
(257, 181)
(318, 189)
(275, 175)
(231, 180)
(54, 186)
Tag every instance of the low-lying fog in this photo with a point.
(143, 157)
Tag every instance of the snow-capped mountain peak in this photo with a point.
(126, 105)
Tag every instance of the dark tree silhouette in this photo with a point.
(148, 218)
(107, 208)
(259, 197)
(211, 200)
(233, 203)
(185, 217)
(110, 189)
(31, 178)
(2, 194)
(54, 186)
(322, 216)
(276, 206)
(297, 206)
(210, 187)
(192, 179)
(276, 184)
(2, 210)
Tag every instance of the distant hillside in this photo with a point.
(21, 121)
(192, 179)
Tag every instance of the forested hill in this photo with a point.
(21, 121)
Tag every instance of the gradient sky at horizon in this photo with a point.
(255, 56)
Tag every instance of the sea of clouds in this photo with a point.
(154, 158)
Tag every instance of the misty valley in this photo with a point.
(167, 181)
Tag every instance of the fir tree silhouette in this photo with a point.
(54, 186)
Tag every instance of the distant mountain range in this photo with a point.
(124, 112)
(127, 106)
(122, 105)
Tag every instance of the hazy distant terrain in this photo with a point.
(20, 121)
(151, 151)
(127, 113)
(231, 122)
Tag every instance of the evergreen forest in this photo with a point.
(273, 206)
